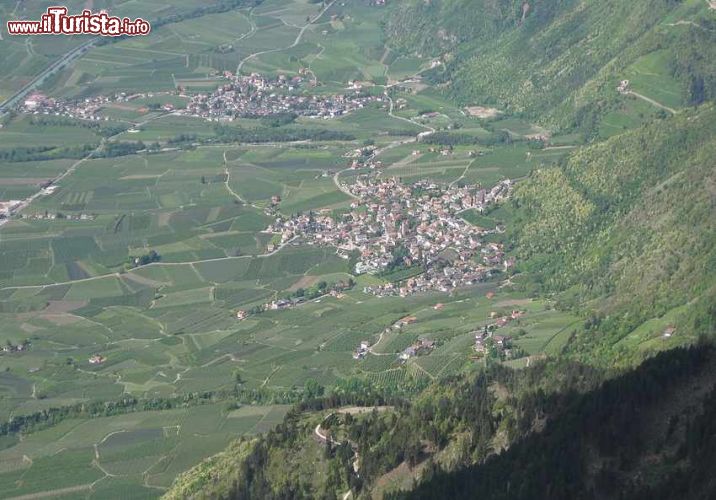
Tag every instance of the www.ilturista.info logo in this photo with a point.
(56, 22)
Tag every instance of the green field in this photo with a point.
(132, 456)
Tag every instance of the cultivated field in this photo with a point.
(145, 258)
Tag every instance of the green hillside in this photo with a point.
(628, 227)
(563, 62)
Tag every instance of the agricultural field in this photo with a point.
(26, 57)
(128, 456)
(338, 43)
(124, 279)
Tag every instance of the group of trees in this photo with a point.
(144, 259)
(606, 443)
(40, 153)
(225, 133)
(103, 129)
(319, 289)
(464, 139)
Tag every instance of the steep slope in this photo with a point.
(630, 222)
(562, 63)
(569, 436)
(647, 434)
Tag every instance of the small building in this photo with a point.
(501, 341)
(242, 315)
(97, 359)
(408, 353)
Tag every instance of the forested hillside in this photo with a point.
(647, 434)
(629, 222)
(567, 436)
(558, 61)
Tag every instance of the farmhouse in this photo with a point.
(362, 350)
(97, 359)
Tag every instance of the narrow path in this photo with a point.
(53, 493)
(295, 42)
(343, 187)
(390, 112)
(228, 185)
(462, 176)
(323, 437)
(652, 101)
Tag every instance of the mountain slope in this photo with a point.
(647, 434)
(560, 65)
(631, 222)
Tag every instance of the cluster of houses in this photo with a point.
(442, 279)
(11, 208)
(85, 109)
(10, 348)
(392, 225)
(59, 215)
(487, 341)
(422, 346)
(362, 350)
(256, 95)
(88, 108)
(364, 157)
(418, 348)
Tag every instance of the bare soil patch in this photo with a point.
(63, 306)
(304, 282)
(483, 112)
(61, 319)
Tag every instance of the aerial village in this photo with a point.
(240, 96)
(395, 226)
(256, 95)
(83, 109)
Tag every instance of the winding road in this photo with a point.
(295, 42)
